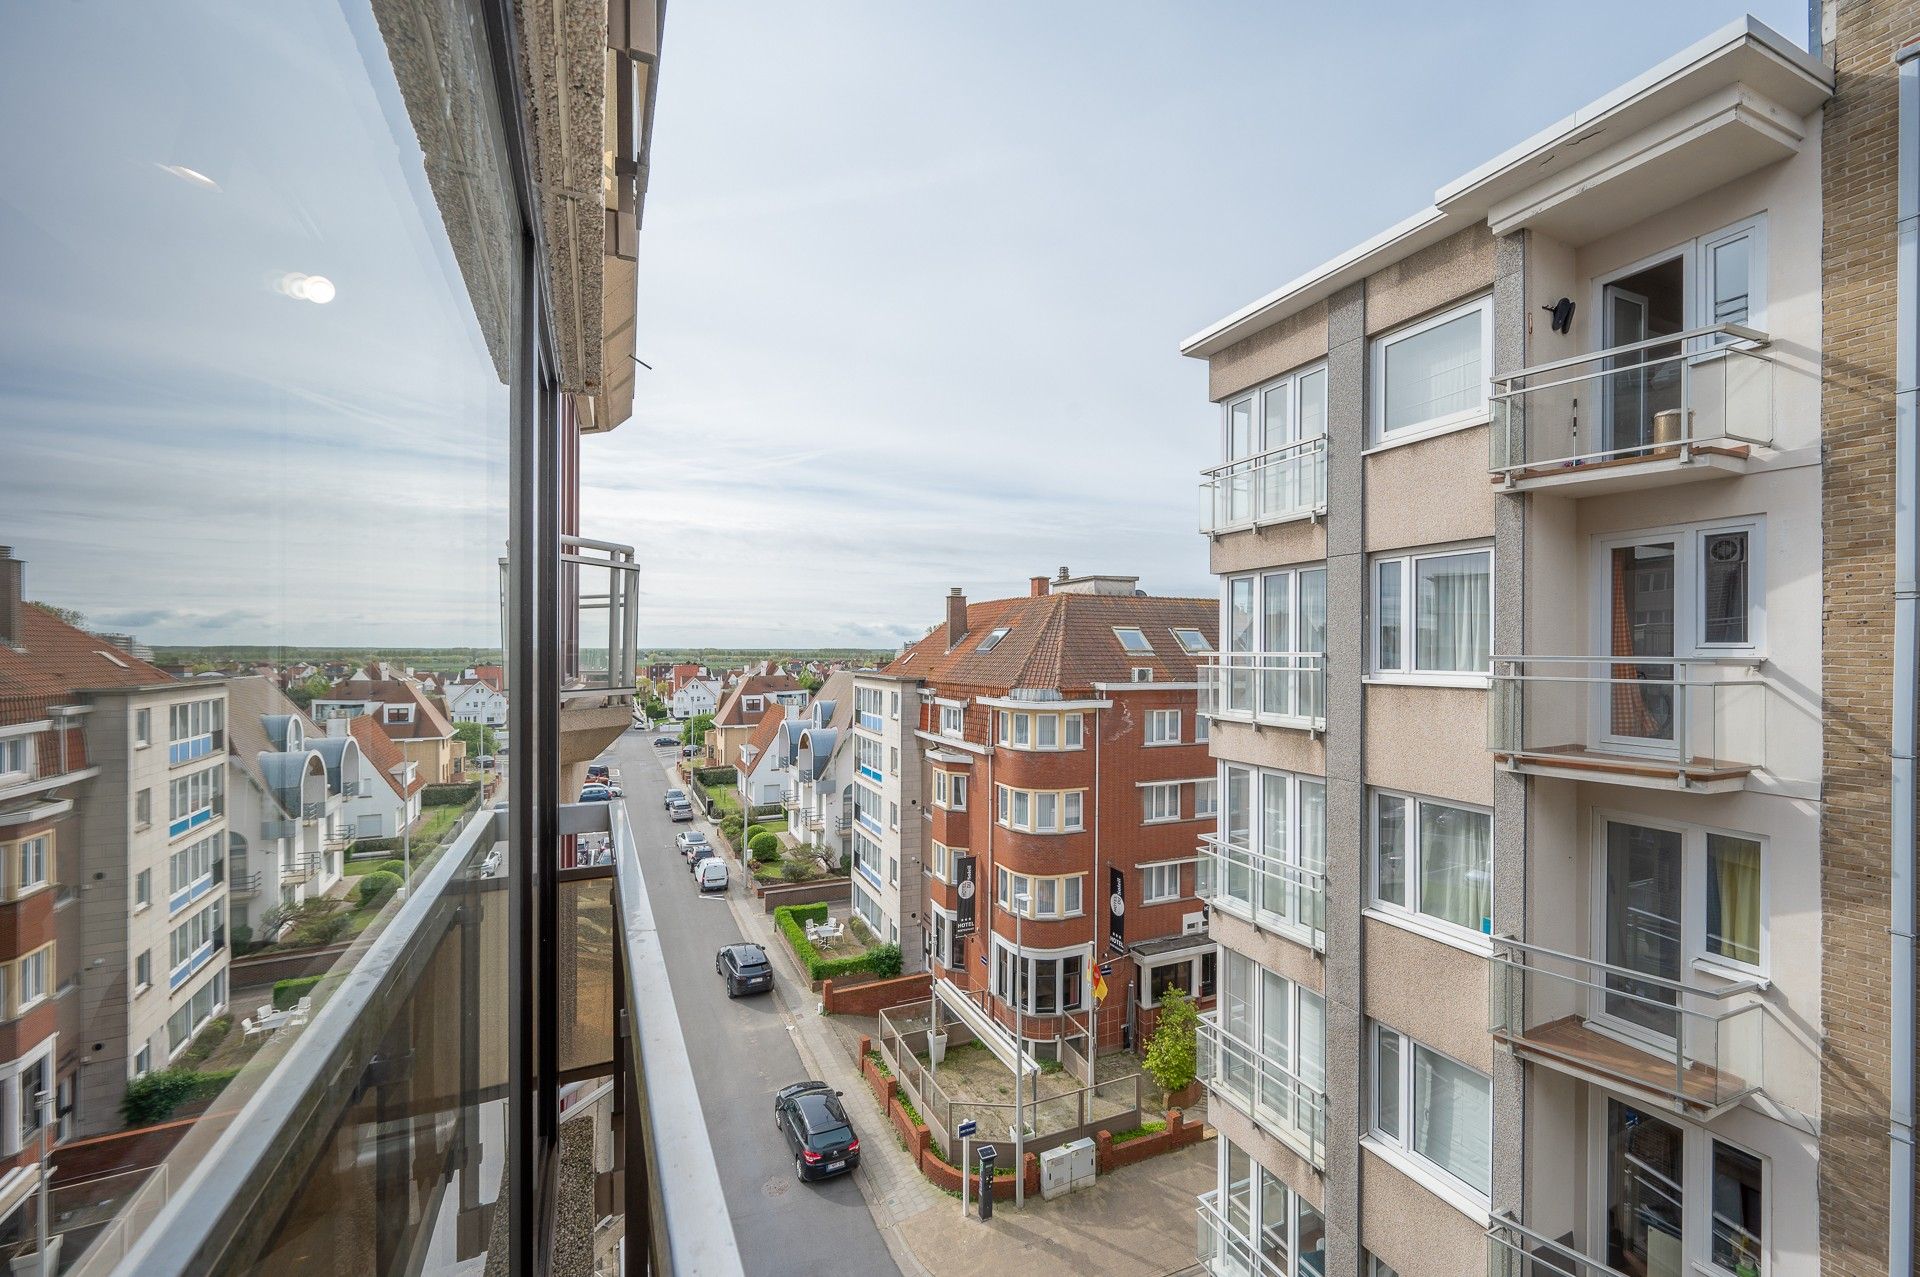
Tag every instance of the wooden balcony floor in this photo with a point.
(1572, 1041)
(1580, 758)
(1594, 469)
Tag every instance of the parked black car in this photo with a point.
(666, 740)
(745, 969)
(818, 1134)
(673, 796)
(698, 852)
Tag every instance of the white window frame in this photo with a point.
(1009, 803)
(1377, 434)
(1154, 800)
(1031, 955)
(940, 860)
(1694, 954)
(1402, 1142)
(1409, 914)
(1206, 798)
(953, 721)
(1008, 883)
(1405, 671)
(1153, 886)
(1146, 648)
(1689, 585)
(1163, 727)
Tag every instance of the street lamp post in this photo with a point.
(43, 1102)
(1020, 1054)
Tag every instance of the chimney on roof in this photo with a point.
(13, 582)
(1037, 587)
(956, 617)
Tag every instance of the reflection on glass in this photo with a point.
(1643, 1193)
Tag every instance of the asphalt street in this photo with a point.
(743, 1053)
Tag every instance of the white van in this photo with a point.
(711, 873)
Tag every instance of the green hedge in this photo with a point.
(764, 846)
(713, 775)
(153, 1098)
(792, 919)
(288, 992)
(375, 887)
(398, 868)
(453, 795)
(364, 847)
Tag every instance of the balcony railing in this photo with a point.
(1281, 895)
(1691, 405)
(1275, 487)
(1693, 723)
(244, 886)
(1225, 1250)
(1693, 1047)
(1263, 1089)
(380, 1133)
(1514, 1250)
(600, 581)
(1284, 689)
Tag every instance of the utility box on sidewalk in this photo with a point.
(1056, 1172)
(1080, 1163)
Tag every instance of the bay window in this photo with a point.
(1047, 897)
(1039, 981)
(32, 864)
(1434, 1110)
(1043, 811)
(1431, 375)
(949, 789)
(1433, 860)
(1040, 729)
(1446, 599)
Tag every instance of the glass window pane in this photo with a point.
(1276, 1204)
(1644, 1195)
(1313, 404)
(1733, 898)
(1738, 1188)
(1433, 374)
(1390, 849)
(1732, 289)
(1456, 865)
(1386, 615)
(1453, 1118)
(1310, 1234)
(1386, 1082)
(1240, 428)
(1724, 588)
(1277, 417)
(1240, 615)
(1453, 613)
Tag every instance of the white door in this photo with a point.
(1625, 420)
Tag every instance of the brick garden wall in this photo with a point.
(852, 997)
(1859, 173)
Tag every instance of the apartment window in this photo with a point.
(893, 705)
(893, 815)
(1202, 729)
(190, 864)
(953, 721)
(1433, 614)
(192, 800)
(940, 861)
(16, 756)
(143, 809)
(1257, 1214)
(893, 872)
(1275, 836)
(201, 1007)
(143, 889)
(1433, 860)
(142, 728)
(1048, 982)
(1206, 798)
(1434, 1109)
(32, 977)
(1676, 1192)
(1159, 883)
(1051, 897)
(866, 757)
(185, 941)
(1283, 1025)
(1039, 811)
(1132, 638)
(1698, 589)
(867, 857)
(143, 1061)
(193, 729)
(1432, 375)
(949, 790)
(751, 704)
(940, 937)
(992, 640)
(1163, 727)
(1192, 642)
(868, 703)
(1671, 896)
(32, 863)
(893, 760)
(142, 970)
(1162, 802)
(1021, 729)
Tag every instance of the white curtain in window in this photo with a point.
(1456, 865)
(1453, 611)
(1435, 373)
(1453, 1118)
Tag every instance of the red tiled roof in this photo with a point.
(492, 675)
(56, 659)
(762, 738)
(1064, 641)
(429, 719)
(731, 715)
(383, 753)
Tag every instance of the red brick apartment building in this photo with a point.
(1066, 764)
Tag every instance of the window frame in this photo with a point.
(1148, 874)
(1408, 915)
(1146, 644)
(1402, 1143)
(1153, 796)
(1406, 671)
(1694, 864)
(1378, 436)
(1690, 577)
(1009, 801)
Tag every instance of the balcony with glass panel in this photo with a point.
(1643, 414)
(1269, 689)
(1279, 486)
(1685, 1043)
(1705, 725)
(1262, 1088)
(1269, 890)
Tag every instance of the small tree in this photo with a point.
(694, 730)
(1171, 1053)
(884, 960)
(376, 887)
(398, 868)
(304, 693)
(765, 847)
(479, 738)
(796, 870)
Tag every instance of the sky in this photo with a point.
(913, 279)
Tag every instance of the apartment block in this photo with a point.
(1057, 742)
(1517, 712)
(884, 812)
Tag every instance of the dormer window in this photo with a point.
(1132, 638)
(751, 704)
(987, 644)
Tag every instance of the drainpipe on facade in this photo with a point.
(1906, 622)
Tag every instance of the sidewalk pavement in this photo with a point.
(1137, 1222)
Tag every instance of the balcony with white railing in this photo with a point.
(1672, 409)
(1278, 486)
(1272, 689)
(1692, 1046)
(1699, 724)
(1270, 891)
(1223, 1247)
(1263, 1089)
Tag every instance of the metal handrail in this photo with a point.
(1213, 1043)
(1310, 443)
(1216, 852)
(1246, 1252)
(1754, 337)
(1504, 1222)
(1753, 984)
